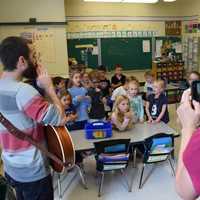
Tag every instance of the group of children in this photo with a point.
(92, 97)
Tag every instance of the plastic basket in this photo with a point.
(98, 130)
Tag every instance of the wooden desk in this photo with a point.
(137, 134)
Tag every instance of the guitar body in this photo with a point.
(60, 144)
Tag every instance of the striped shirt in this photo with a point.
(23, 106)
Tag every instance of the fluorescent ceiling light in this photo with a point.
(103, 0)
(124, 1)
(169, 0)
(140, 1)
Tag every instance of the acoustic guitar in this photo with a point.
(60, 148)
(60, 144)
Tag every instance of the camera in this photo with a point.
(195, 90)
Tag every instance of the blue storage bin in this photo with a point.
(98, 130)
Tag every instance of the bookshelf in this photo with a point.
(169, 71)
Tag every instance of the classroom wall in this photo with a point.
(80, 8)
(85, 26)
(22, 10)
(45, 11)
(191, 7)
(87, 16)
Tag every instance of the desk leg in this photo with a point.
(134, 157)
(59, 188)
(81, 173)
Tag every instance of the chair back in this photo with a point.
(112, 154)
(158, 147)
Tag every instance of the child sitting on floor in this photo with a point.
(122, 116)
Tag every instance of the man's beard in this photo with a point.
(31, 71)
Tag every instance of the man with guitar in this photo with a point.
(26, 168)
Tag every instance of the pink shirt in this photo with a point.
(191, 160)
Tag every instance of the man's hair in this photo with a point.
(118, 66)
(11, 48)
(102, 68)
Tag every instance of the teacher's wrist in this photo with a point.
(188, 130)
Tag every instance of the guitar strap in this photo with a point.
(22, 136)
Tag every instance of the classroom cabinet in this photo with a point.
(169, 71)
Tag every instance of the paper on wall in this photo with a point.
(95, 50)
(159, 44)
(146, 46)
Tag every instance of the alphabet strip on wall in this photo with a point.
(111, 34)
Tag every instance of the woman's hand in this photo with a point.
(189, 117)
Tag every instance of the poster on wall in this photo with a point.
(173, 28)
(146, 46)
(44, 43)
(159, 44)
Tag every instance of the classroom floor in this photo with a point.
(159, 186)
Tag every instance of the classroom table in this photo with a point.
(137, 134)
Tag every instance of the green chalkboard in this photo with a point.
(126, 51)
(82, 54)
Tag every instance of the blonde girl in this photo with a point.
(122, 116)
(136, 101)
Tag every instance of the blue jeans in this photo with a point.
(37, 190)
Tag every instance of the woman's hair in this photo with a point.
(193, 72)
(119, 114)
(70, 83)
